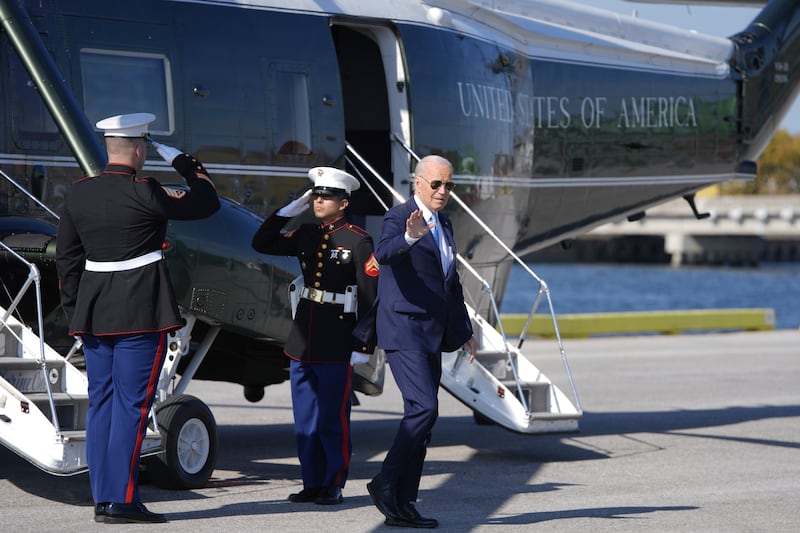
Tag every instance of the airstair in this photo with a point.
(501, 385)
(43, 396)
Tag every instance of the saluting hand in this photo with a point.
(167, 152)
(416, 227)
(296, 207)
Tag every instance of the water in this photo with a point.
(597, 288)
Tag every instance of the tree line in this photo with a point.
(778, 169)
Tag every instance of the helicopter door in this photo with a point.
(375, 107)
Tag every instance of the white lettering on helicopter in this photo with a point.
(493, 103)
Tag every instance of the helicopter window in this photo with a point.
(291, 117)
(117, 82)
(33, 127)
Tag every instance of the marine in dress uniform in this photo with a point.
(117, 295)
(334, 256)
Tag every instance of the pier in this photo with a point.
(663, 322)
(737, 230)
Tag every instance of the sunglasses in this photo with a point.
(325, 196)
(435, 184)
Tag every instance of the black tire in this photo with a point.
(189, 440)
(254, 393)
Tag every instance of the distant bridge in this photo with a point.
(737, 230)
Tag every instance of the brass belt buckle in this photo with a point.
(315, 295)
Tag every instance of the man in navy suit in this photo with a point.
(420, 313)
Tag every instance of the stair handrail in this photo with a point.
(27, 193)
(544, 289)
(34, 277)
(486, 288)
(78, 344)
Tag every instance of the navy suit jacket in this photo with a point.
(419, 307)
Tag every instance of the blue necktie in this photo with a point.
(439, 243)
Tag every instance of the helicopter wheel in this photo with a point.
(189, 441)
(254, 393)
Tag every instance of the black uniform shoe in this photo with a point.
(410, 517)
(384, 497)
(330, 496)
(125, 513)
(304, 496)
(100, 512)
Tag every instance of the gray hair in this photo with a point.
(419, 170)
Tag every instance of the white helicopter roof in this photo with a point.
(539, 28)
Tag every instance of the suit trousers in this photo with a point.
(417, 375)
(321, 406)
(123, 372)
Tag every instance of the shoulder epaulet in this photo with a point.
(357, 230)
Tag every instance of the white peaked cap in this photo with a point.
(130, 125)
(333, 180)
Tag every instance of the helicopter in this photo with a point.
(557, 118)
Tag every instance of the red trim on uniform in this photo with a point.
(334, 230)
(333, 223)
(139, 332)
(345, 427)
(357, 230)
(151, 389)
(340, 224)
(114, 172)
(204, 177)
(131, 172)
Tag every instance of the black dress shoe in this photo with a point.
(100, 512)
(126, 513)
(384, 497)
(330, 496)
(410, 517)
(304, 496)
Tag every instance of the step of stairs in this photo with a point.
(536, 393)
(70, 409)
(9, 345)
(26, 375)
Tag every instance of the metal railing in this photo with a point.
(33, 278)
(486, 288)
(27, 193)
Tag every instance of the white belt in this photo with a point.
(322, 297)
(128, 264)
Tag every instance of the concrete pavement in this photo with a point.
(680, 433)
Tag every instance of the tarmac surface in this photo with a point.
(679, 433)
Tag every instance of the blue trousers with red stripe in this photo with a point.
(321, 405)
(123, 373)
